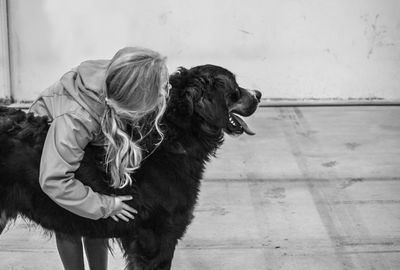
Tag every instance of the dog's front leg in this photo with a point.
(132, 253)
(149, 253)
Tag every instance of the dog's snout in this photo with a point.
(257, 95)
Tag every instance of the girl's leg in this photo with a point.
(96, 252)
(3, 221)
(71, 252)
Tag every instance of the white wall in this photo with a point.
(4, 55)
(285, 48)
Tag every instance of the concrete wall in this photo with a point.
(285, 48)
(4, 55)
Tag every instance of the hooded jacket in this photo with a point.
(74, 105)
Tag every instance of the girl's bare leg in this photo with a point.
(96, 252)
(71, 251)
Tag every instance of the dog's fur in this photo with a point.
(165, 187)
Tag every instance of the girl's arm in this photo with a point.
(63, 151)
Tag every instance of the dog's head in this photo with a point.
(212, 94)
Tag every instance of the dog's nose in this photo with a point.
(258, 95)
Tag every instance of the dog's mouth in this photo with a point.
(236, 125)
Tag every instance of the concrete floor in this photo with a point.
(316, 188)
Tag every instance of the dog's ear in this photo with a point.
(188, 100)
(180, 108)
(181, 96)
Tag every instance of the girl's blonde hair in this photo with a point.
(136, 85)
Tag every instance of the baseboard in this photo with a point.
(277, 102)
(272, 102)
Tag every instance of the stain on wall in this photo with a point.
(376, 33)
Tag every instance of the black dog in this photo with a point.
(203, 104)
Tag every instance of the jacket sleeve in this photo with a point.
(62, 153)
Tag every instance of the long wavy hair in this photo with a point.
(136, 85)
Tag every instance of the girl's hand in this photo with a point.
(122, 210)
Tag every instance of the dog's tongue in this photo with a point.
(244, 125)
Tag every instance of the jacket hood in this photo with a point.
(85, 83)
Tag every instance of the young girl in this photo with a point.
(92, 103)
